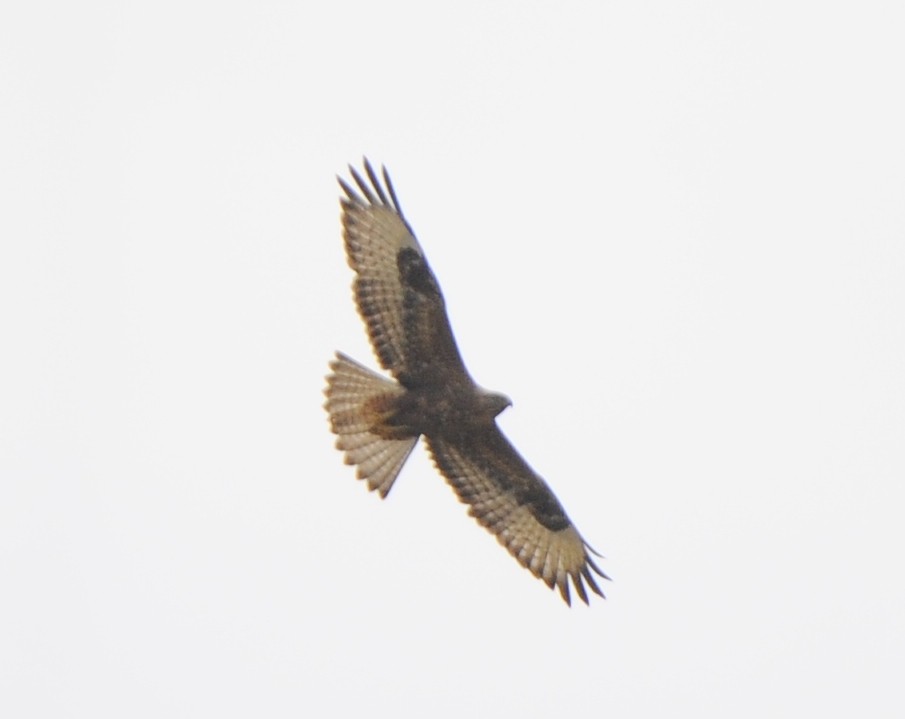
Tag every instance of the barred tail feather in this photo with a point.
(359, 403)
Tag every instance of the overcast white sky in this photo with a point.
(673, 233)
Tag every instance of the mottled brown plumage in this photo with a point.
(378, 420)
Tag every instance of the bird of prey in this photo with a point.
(379, 420)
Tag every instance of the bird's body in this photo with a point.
(379, 420)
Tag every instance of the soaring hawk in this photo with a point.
(378, 421)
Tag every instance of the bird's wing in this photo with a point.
(397, 294)
(508, 498)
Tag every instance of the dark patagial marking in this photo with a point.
(548, 513)
(414, 272)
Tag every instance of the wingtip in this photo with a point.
(593, 565)
(385, 192)
(564, 592)
(579, 587)
(589, 578)
(351, 196)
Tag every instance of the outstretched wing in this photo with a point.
(397, 294)
(508, 498)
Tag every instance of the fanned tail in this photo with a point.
(359, 403)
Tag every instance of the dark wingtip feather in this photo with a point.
(392, 190)
(375, 182)
(350, 193)
(564, 591)
(362, 185)
(579, 586)
(385, 192)
(597, 569)
(589, 578)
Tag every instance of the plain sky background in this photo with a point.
(673, 233)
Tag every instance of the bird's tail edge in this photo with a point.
(359, 403)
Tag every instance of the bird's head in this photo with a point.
(494, 402)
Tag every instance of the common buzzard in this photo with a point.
(378, 420)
